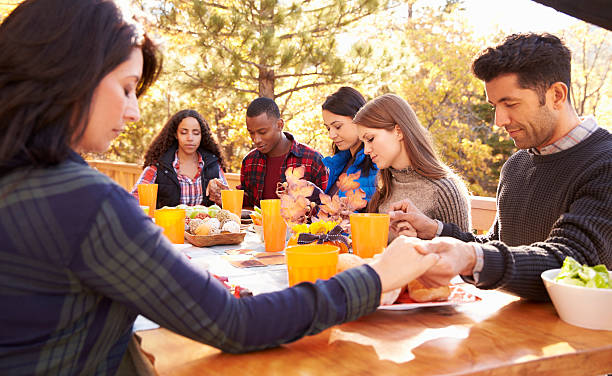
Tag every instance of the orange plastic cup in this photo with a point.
(147, 196)
(231, 199)
(274, 226)
(370, 233)
(309, 262)
(173, 223)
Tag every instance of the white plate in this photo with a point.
(457, 296)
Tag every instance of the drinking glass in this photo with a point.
(274, 226)
(147, 196)
(370, 233)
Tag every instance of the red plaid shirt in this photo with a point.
(192, 191)
(253, 170)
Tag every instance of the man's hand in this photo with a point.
(400, 263)
(456, 257)
(213, 191)
(407, 219)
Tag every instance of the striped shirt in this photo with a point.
(192, 192)
(587, 126)
(79, 261)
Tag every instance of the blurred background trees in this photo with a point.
(220, 55)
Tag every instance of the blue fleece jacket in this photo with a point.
(335, 164)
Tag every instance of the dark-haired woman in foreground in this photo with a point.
(182, 160)
(80, 260)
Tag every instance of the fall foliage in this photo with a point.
(218, 56)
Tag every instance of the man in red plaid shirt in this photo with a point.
(274, 152)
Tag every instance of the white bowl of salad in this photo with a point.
(582, 295)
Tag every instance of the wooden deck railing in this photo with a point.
(126, 174)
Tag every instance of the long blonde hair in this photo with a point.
(387, 111)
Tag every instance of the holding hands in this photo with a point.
(456, 258)
(407, 219)
(401, 263)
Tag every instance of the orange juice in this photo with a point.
(147, 196)
(173, 223)
(370, 233)
(274, 226)
(309, 262)
(231, 199)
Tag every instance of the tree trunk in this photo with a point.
(266, 83)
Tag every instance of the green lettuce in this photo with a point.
(573, 273)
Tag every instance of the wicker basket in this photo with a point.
(210, 240)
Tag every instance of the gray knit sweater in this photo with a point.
(439, 199)
(548, 207)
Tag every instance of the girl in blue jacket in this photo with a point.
(338, 112)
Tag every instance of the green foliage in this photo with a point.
(219, 56)
(449, 100)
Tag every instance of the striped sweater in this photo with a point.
(79, 261)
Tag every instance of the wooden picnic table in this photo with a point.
(498, 335)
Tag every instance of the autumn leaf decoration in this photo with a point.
(340, 208)
(294, 193)
(296, 208)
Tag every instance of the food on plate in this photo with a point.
(256, 216)
(236, 290)
(193, 225)
(230, 226)
(573, 273)
(415, 289)
(223, 221)
(203, 229)
(419, 293)
(224, 215)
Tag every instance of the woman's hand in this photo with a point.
(400, 263)
(213, 191)
(406, 212)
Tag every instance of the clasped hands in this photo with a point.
(455, 256)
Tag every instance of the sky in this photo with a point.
(515, 16)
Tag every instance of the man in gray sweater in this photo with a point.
(554, 197)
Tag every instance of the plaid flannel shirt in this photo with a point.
(192, 192)
(253, 170)
(92, 261)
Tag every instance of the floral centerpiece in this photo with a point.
(327, 222)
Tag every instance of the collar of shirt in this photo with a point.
(177, 165)
(587, 126)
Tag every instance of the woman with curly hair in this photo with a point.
(182, 160)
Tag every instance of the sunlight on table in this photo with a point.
(400, 351)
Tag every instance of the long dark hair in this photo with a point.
(54, 55)
(167, 138)
(347, 102)
(387, 111)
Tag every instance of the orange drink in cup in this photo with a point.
(370, 233)
(231, 199)
(274, 226)
(147, 196)
(309, 262)
(173, 223)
